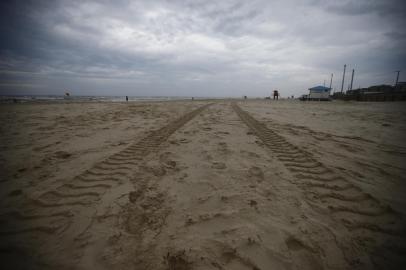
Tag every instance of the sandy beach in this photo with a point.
(222, 184)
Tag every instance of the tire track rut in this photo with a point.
(326, 189)
(55, 210)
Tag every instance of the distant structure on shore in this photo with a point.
(319, 93)
(67, 95)
(275, 94)
(383, 92)
(375, 93)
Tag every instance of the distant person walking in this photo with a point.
(275, 94)
(126, 98)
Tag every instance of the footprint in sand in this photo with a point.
(250, 154)
(219, 165)
(222, 133)
(155, 169)
(253, 203)
(62, 155)
(303, 257)
(183, 140)
(223, 148)
(15, 192)
(168, 163)
(256, 173)
(177, 260)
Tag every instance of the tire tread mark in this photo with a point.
(288, 153)
(112, 169)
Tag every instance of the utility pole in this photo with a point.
(352, 78)
(331, 80)
(397, 77)
(342, 84)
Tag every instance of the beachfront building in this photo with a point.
(376, 93)
(319, 93)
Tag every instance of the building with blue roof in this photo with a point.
(319, 93)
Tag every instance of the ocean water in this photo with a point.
(60, 98)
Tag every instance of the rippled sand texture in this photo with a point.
(203, 185)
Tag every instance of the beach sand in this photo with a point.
(225, 184)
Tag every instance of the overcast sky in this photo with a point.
(198, 47)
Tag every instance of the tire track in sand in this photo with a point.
(358, 211)
(54, 211)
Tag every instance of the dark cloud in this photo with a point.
(186, 47)
(362, 7)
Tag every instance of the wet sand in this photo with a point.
(203, 185)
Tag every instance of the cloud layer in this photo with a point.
(197, 48)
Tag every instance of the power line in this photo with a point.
(397, 77)
(342, 84)
(331, 80)
(352, 78)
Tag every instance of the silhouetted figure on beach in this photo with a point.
(126, 98)
(275, 94)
